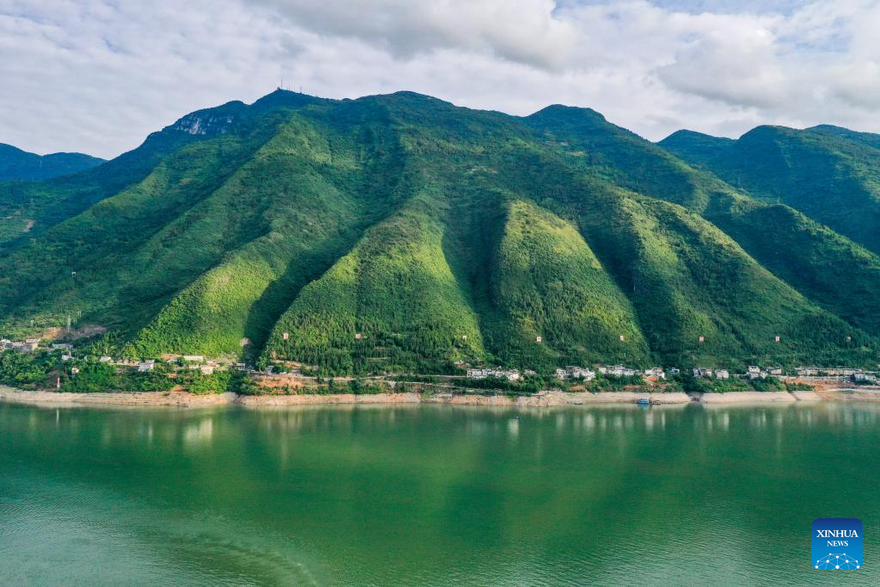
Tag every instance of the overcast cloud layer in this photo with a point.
(98, 75)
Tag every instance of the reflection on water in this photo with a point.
(432, 494)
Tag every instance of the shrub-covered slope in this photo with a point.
(402, 233)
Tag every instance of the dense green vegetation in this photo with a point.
(400, 233)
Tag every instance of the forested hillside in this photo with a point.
(400, 232)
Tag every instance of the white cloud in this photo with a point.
(98, 75)
(518, 30)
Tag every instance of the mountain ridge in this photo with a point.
(17, 164)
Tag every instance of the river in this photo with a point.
(433, 495)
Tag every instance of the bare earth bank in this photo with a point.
(188, 400)
(183, 399)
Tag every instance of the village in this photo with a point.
(568, 376)
(66, 354)
(656, 374)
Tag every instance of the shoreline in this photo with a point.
(153, 399)
(188, 400)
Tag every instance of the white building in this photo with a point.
(576, 372)
(478, 373)
(145, 366)
(511, 375)
(617, 371)
(755, 372)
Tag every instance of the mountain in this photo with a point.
(400, 232)
(830, 174)
(808, 256)
(18, 164)
(27, 209)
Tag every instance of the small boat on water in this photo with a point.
(643, 401)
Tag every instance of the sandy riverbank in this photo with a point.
(128, 399)
(737, 397)
(547, 399)
(538, 400)
(188, 400)
(850, 394)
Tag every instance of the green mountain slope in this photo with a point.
(393, 302)
(867, 138)
(815, 262)
(400, 232)
(18, 164)
(686, 279)
(548, 283)
(831, 177)
(29, 208)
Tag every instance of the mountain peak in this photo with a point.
(562, 111)
(282, 98)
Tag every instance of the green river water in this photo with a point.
(433, 495)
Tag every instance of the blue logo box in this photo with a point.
(836, 544)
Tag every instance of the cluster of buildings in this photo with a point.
(827, 371)
(192, 362)
(573, 372)
(752, 372)
(189, 362)
(585, 374)
(702, 373)
(616, 371)
(498, 373)
(28, 345)
(856, 375)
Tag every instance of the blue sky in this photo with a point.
(98, 75)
